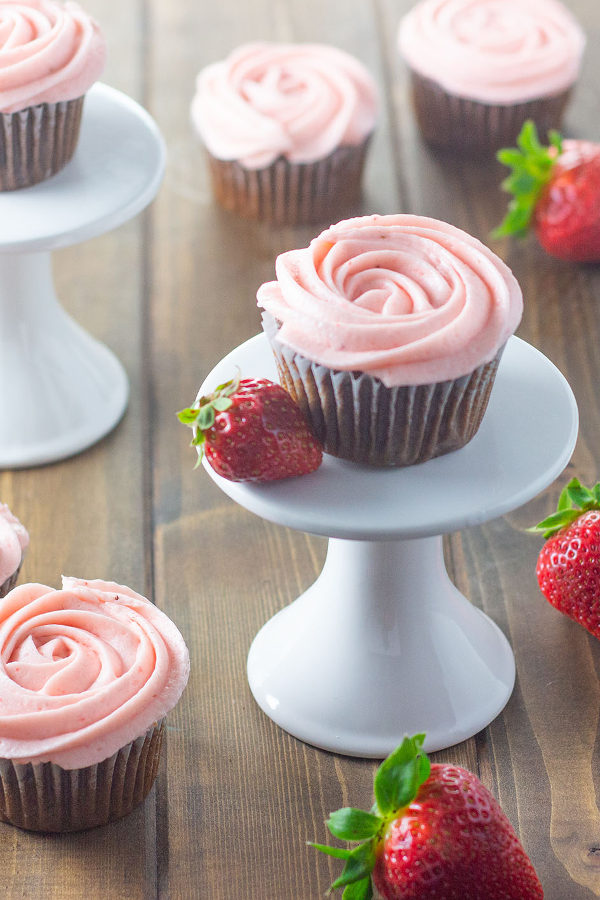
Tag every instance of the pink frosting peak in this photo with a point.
(84, 671)
(408, 299)
(13, 541)
(494, 51)
(49, 52)
(267, 100)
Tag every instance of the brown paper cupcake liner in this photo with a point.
(472, 127)
(37, 142)
(46, 797)
(287, 193)
(10, 582)
(358, 418)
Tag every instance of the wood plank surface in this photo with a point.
(171, 292)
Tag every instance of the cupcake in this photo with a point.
(481, 68)
(50, 55)
(13, 541)
(388, 331)
(87, 676)
(286, 129)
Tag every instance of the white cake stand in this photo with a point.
(61, 389)
(383, 644)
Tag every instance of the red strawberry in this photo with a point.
(568, 567)
(434, 831)
(252, 430)
(557, 190)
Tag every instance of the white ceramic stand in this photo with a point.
(62, 390)
(383, 644)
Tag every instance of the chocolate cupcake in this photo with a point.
(88, 675)
(388, 332)
(50, 55)
(13, 543)
(286, 129)
(480, 70)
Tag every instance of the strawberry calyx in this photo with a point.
(531, 164)
(396, 785)
(200, 416)
(575, 499)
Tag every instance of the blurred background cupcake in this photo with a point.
(388, 332)
(13, 543)
(50, 55)
(480, 68)
(87, 675)
(286, 129)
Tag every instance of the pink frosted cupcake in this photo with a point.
(13, 542)
(50, 55)
(480, 68)
(388, 331)
(87, 676)
(286, 129)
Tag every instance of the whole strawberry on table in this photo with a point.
(556, 192)
(251, 429)
(568, 566)
(435, 832)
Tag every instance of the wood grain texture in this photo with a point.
(171, 292)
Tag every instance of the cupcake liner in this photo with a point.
(10, 582)
(46, 797)
(287, 193)
(37, 142)
(358, 418)
(473, 127)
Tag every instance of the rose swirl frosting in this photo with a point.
(267, 100)
(49, 52)
(84, 671)
(408, 299)
(494, 51)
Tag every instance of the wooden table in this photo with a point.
(171, 292)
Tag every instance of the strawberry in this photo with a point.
(568, 566)
(557, 190)
(434, 831)
(252, 430)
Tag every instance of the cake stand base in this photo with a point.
(62, 390)
(380, 646)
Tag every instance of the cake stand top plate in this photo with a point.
(525, 440)
(115, 172)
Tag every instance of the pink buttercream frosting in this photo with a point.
(408, 299)
(13, 541)
(494, 51)
(49, 52)
(267, 100)
(84, 671)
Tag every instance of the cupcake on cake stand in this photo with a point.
(61, 389)
(383, 644)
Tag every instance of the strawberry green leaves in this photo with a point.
(531, 164)
(396, 784)
(574, 500)
(351, 824)
(201, 416)
(400, 775)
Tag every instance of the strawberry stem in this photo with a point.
(574, 500)
(397, 781)
(531, 165)
(200, 416)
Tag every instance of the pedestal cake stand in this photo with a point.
(62, 390)
(383, 644)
